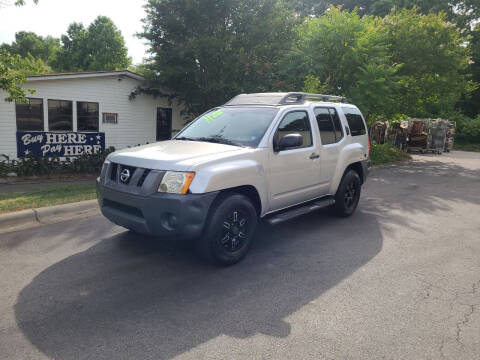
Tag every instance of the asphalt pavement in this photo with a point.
(398, 280)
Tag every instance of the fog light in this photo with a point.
(172, 220)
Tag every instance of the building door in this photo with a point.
(164, 124)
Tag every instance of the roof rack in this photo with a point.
(290, 98)
(301, 97)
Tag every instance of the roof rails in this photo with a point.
(290, 98)
(301, 97)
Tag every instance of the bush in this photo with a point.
(468, 130)
(37, 166)
(386, 153)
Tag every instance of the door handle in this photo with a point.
(314, 156)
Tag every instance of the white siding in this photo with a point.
(8, 142)
(136, 118)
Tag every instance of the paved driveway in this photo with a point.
(398, 280)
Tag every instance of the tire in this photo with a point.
(348, 194)
(229, 230)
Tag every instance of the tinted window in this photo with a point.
(87, 116)
(295, 122)
(237, 125)
(30, 115)
(60, 115)
(355, 121)
(325, 125)
(337, 124)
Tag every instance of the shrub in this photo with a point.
(468, 130)
(386, 153)
(38, 166)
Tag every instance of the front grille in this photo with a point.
(113, 172)
(126, 173)
(144, 176)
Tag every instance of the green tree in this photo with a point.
(45, 48)
(434, 61)
(13, 72)
(23, 2)
(462, 12)
(345, 54)
(474, 103)
(206, 51)
(99, 47)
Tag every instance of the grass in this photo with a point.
(466, 147)
(46, 197)
(386, 153)
(379, 154)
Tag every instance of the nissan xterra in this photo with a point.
(271, 156)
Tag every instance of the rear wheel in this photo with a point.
(229, 230)
(348, 194)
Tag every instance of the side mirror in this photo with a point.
(290, 141)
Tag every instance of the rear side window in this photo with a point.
(355, 121)
(295, 122)
(337, 124)
(329, 125)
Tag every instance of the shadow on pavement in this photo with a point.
(134, 297)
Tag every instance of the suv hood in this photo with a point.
(177, 155)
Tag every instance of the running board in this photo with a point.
(298, 211)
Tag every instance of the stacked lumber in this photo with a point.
(418, 140)
(417, 137)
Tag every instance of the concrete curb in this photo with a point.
(46, 215)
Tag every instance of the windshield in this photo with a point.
(239, 126)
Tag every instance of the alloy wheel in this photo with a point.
(350, 192)
(234, 231)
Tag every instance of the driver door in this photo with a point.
(293, 173)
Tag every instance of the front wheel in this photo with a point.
(229, 230)
(348, 194)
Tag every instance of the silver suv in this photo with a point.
(271, 156)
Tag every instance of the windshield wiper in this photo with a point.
(218, 140)
(185, 138)
(215, 140)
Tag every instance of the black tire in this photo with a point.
(348, 194)
(229, 230)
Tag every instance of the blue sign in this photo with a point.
(59, 144)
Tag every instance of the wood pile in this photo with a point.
(417, 138)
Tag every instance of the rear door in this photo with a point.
(332, 137)
(293, 173)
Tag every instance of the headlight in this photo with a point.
(175, 182)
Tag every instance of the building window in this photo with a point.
(87, 116)
(110, 118)
(30, 115)
(60, 115)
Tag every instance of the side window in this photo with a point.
(60, 115)
(295, 122)
(30, 115)
(87, 116)
(329, 125)
(355, 121)
(338, 125)
(325, 125)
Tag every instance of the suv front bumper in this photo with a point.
(159, 214)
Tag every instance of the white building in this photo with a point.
(74, 113)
